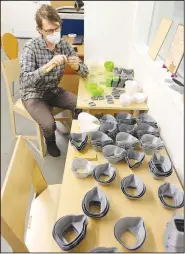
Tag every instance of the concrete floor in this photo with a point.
(52, 168)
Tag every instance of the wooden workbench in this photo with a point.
(102, 106)
(100, 232)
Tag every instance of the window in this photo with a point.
(173, 10)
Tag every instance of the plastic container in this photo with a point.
(139, 97)
(109, 66)
(125, 99)
(132, 87)
(95, 88)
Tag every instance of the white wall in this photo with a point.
(18, 17)
(143, 21)
(109, 30)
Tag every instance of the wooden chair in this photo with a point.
(11, 73)
(24, 171)
(11, 48)
(10, 45)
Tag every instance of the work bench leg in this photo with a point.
(136, 113)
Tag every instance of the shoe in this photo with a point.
(52, 147)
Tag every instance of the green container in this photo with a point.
(109, 66)
(94, 89)
(115, 78)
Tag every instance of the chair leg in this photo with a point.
(12, 117)
(71, 115)
(40, 140)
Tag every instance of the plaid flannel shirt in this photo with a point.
(33, 82)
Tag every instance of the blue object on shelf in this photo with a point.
(73, 21)
(72, 26)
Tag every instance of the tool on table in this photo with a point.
(92, 104)
(54, 65)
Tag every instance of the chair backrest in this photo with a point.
(23, 171)
(11, 73)
(10, 45)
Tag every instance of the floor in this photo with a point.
(52, 168)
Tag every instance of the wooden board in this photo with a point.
(57, 4)
(70, 83)
(101, 232)
(86, 153)
(176, 51)
(159, 38)
(84, 98)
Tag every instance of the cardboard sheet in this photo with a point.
(160, 37)
(176, 51)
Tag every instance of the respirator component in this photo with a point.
(134, 182)
(114, 154)
(126, 141)
(171, 191)
(133, 224)
(160, 166)
(95, 198)
(174, 234)
(106, 170)
(134, 158)
(124, 117)
(99, 140)
(78, 140)
(66, 224)
(81, 168)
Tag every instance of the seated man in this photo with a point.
(39, 87)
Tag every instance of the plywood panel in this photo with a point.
(70, 83)
(57, 4)
(176, 51)
(159, 38)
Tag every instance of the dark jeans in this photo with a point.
(40, 109)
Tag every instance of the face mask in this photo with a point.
(54, 38)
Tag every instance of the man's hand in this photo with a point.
(57, 60)
(73, 62)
